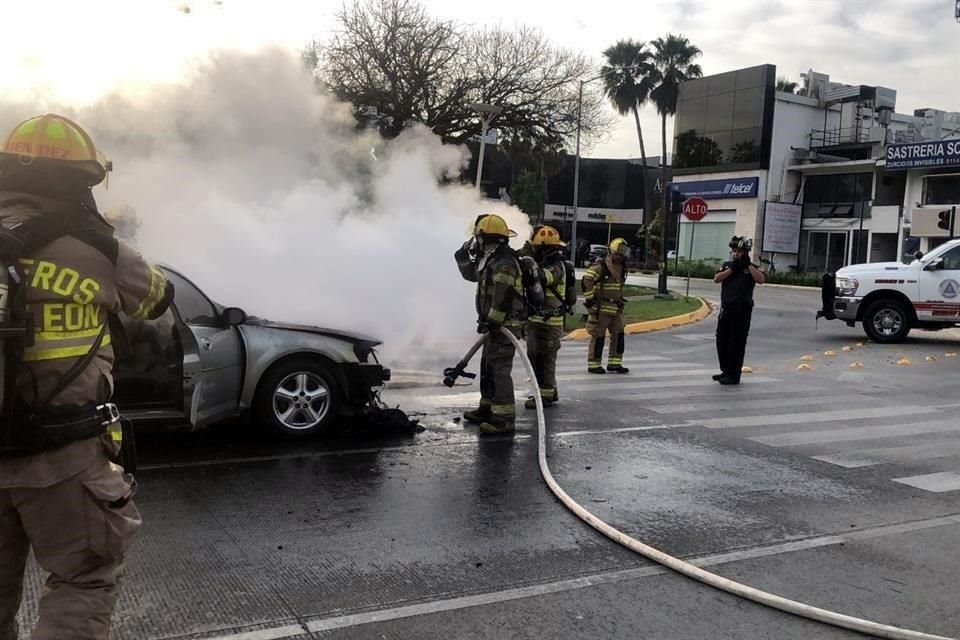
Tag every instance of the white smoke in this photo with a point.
(256, 186)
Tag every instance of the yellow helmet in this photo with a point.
(546, 236)
(59, 139)
(494, 225)
(619, 245)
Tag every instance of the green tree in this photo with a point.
(528, 194)
(673, 58)
(627, 85)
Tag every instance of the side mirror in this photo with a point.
(918, 255)
(233, 316)
(934, 265)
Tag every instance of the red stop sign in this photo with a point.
(695, 209)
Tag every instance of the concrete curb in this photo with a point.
(654, 325)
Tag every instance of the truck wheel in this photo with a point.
(298, 399)
(886, 321)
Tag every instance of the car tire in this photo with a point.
(886, 321)
(298, 398)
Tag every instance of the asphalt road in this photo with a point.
(836, 486)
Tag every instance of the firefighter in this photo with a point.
(737, 279)
(61, 492)
(544, 331)
(489, 261)
(603, 297)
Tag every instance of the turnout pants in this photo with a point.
(543, 343)
(496, 382)
(79, 530)
(733, 327)
(598, 324)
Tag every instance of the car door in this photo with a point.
(940, 288)
(212, 355)
(148, 371)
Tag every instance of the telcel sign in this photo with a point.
(719, 189)
(923, 155)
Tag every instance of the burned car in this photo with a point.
(201, 363)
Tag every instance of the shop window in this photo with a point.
(941, 189)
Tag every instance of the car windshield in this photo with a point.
(939, 251)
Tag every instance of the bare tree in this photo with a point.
(393, 56)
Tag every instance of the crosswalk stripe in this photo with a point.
(561, 356)
(935, 482)
(753, 404)
(817, 416)
(666, 364)
(875, 432)
(659, 385)
(634, 375)
(886, 455)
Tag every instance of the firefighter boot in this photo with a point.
(617, 369)
(531, 403)
(497, 426)
(478, 415)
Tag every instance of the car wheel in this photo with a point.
(886, 322)
(298, 398)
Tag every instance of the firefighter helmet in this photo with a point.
(741, 242)
(493, 225)
(546, 236)
(58, 140)
(619, 245)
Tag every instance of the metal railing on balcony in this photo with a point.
(834, 137)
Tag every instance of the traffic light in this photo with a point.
(676, 202)
(944, 219)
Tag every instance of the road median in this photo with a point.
(654, 325)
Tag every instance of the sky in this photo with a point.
(912, 46)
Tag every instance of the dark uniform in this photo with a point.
(499, 303)
(733, 324)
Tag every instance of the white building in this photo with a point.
(804, 174)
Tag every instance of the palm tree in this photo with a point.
(786, 86)
(673, 65)
(626, 83)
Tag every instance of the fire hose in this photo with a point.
(685, 568)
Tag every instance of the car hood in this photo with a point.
(872, 267)
(348, 336)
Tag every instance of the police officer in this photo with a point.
(545, 330)
(61, 494)
(738, 277)
(489, 261)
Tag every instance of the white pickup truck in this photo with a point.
(891, 298)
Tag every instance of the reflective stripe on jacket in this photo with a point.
(70, 287)
(602, 284)
(555, 282)
(500, 289)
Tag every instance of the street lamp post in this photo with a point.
(487, 113)
(576, 165)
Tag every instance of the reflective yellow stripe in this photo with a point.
(153, 297)
(49, 336)
(555, 321)
(496, 316)
(33, 354)
(504, 278)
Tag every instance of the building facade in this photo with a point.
(806, 174)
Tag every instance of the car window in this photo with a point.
(951, 259)
(193, 306)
